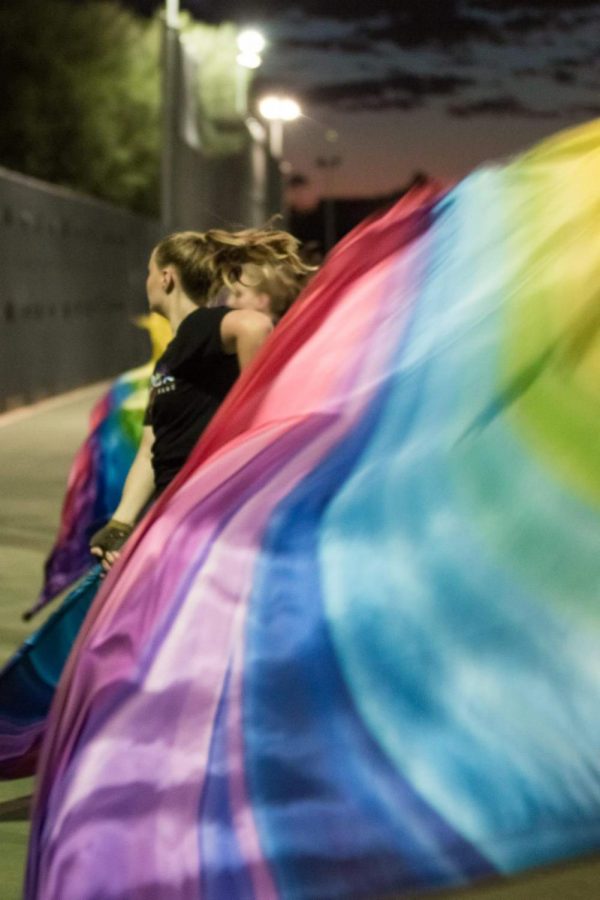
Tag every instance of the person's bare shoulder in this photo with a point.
(243, 323)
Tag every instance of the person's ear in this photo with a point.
(168, 280)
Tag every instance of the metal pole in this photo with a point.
(328, 164)
(276, 138)
(275, 127)
(330, 228)
(170, 113)
(172, 13)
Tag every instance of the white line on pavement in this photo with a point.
(26, 412)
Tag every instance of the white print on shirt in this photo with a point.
(162, 384)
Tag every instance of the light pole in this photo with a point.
(329, 164)
(277, 111)
(170, 92)
(250, 44)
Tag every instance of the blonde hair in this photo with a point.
(207, 261)
(281, 282)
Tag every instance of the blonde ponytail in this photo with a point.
(210, 260)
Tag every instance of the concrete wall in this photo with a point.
(72, 276)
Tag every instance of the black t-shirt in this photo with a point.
(189, 383)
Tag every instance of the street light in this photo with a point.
(277, 110)
(251, 41)
(251, 44)
(248, 60)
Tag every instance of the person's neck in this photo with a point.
(180, 309)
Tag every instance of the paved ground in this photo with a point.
(36, 448)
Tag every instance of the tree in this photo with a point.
(81, 98)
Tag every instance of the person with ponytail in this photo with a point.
(267, 287)
(263, 272)
(187, 273)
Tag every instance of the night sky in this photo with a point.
(430, 85)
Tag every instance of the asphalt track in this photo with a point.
(36, 448)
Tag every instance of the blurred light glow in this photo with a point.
(275, 108)
(248, 60)
(251, 42)
(268, 107)
(172, 13)
(289, 109)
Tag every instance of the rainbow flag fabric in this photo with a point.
(28, 679)
(99, 469)
(355, 647)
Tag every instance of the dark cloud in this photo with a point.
(572, 62)
(426, 22)
(346, 45)
(501, 105)
(354, 40)
(526, 72)
(548, 6)
(524, 22)
(351, 10)
(420, 22)
(564, 69)
(397, 90)
(440, 25)
(355, 9)
(564, 76)
(450, 25)
(436, 23)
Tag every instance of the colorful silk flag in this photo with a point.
(99, 469)
(355, 647)
(29, 678)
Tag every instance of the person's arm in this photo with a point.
(137, 490)
(139, 483)
(243, 332)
